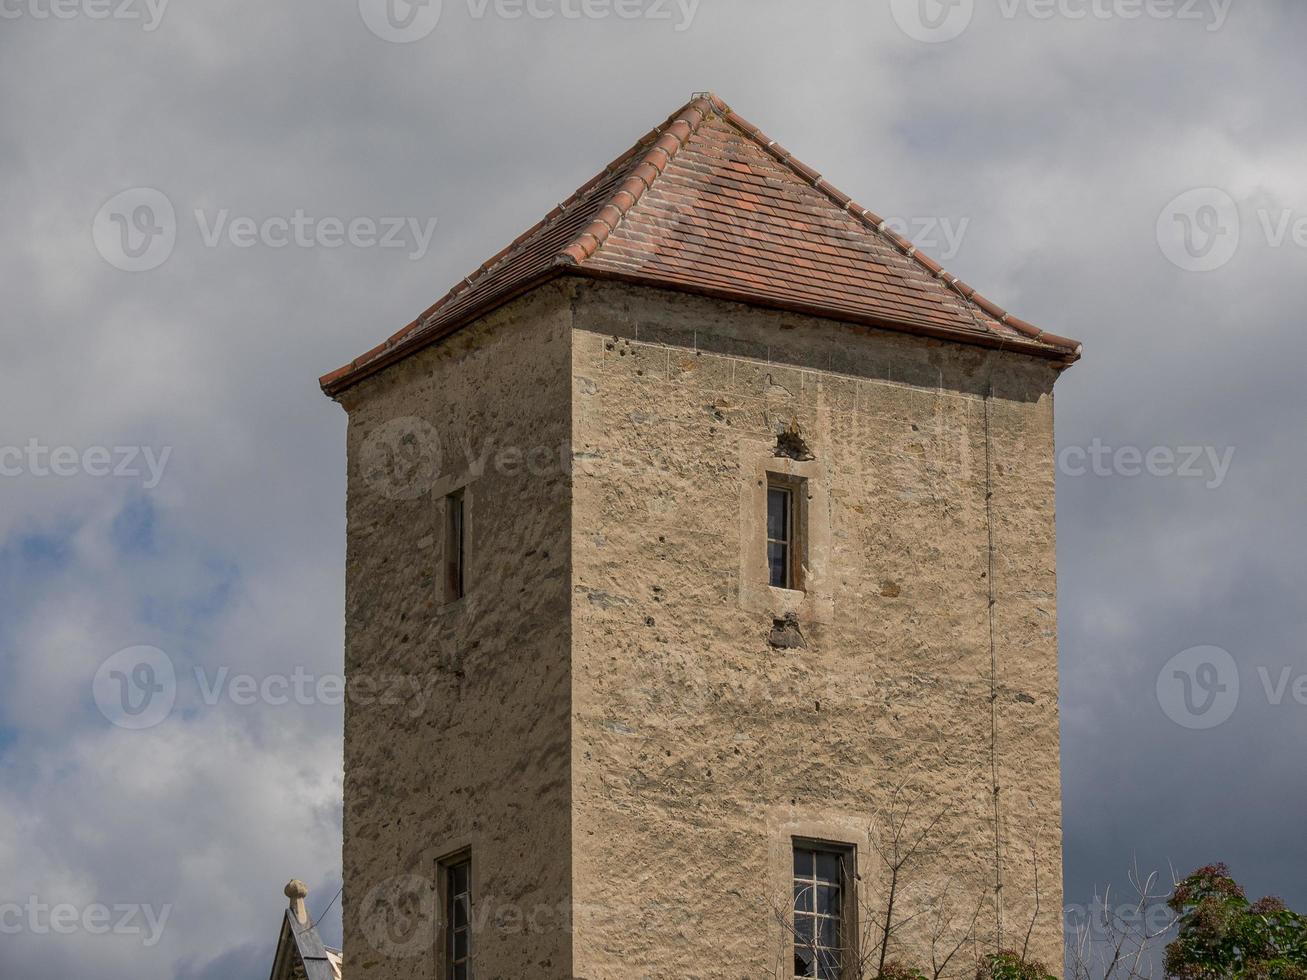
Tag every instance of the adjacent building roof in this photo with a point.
(301, 954)
(706, 203)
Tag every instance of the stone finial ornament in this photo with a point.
(297, 891)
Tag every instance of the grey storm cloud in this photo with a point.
(1048, 156)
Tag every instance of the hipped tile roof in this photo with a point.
(706, 203)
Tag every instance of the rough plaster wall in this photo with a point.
(698, 748)
(1026, 622)
(485, 762)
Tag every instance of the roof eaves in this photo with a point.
(977, 338)
(411, 341)
(659, 145)
(1066, 348)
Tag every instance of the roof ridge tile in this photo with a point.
(668, 144)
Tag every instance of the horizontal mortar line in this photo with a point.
(748, 399)
(925, 433)
(814, 374)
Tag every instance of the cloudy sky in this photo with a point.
(1127, 173)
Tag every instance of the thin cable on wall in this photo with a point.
(329, 905)
(993, 673)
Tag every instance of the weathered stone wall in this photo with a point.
(642, 749)
(699, 748)
(476, 754)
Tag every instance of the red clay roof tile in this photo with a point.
(707, 203)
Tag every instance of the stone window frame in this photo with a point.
(464, 484)
(796, 529)
(791, 825)
(812, 603)
(444, 863)
(846, 883)
(448, 870)
(456, 544)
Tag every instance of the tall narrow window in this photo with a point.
(455, 546)
(785, 546)
(823, 903)
(458, 920)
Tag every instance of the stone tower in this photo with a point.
(696, 542)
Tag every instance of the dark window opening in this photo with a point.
(785, 545)
(456, 546)
(823, 901)
(458, 920)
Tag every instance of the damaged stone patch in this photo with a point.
(791, 445)
(786, 634)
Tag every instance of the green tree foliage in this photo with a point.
(1222, 936)
(897, 971)
(997, 966)
(1011, 966)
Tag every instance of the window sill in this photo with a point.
(787, 595)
